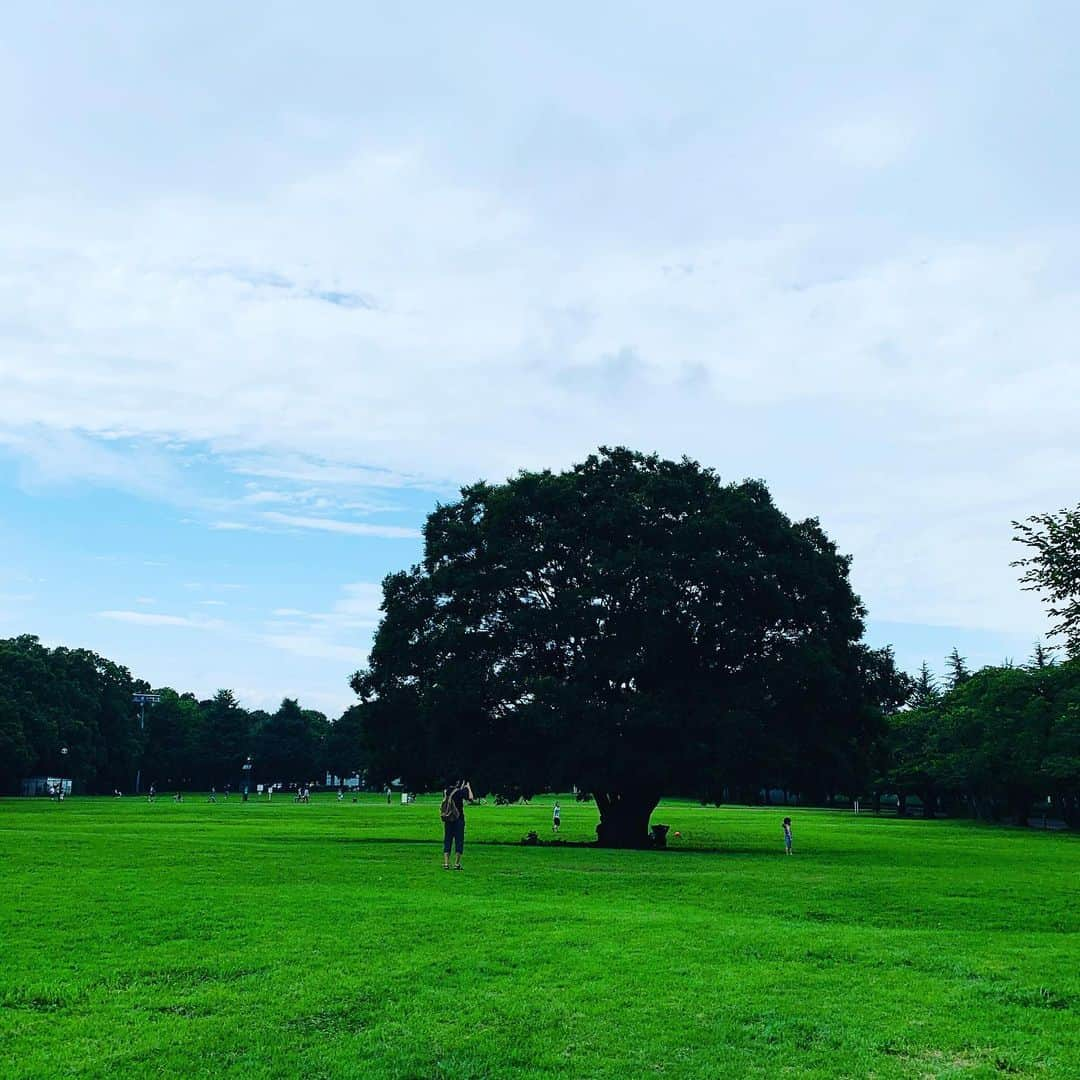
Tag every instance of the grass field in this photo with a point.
(325, 940)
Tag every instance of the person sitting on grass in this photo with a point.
(452, 813)
(787, 836)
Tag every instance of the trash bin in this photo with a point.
(659, 835)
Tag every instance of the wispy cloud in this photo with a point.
(146, 618)
(353, 528)
(342, 633)
(318, 647)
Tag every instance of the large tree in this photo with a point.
(631, 627)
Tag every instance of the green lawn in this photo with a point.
(325, 940)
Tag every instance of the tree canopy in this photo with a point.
(630, 627)
(1053, 568)
(69, 712)
(992, 745)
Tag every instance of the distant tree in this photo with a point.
(1054, 568)
(631, 627)
(911, 745)
(224, 740)
(173, 730)
(924, 689)
(69, 700)
(1041, 658)
(959, 673)
(995, 728)
(288, 745)
(15, 752)
(344, 743)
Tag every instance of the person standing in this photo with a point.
(555, 815)
(452, 813)
(787, 836)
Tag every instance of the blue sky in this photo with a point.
(275, 279)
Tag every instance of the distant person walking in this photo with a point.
(151, 793)
(213, 795)
(452, 813)
(787, 836)
(555, 815)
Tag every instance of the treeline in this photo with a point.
(69, 713)
(991, 744)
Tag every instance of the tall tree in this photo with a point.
(173, 730)
(225, 739)
(288, 746)
(1053, 568)
(925, 688)
(344, 743)
(1041, 657)
(959, 672)
(631, 627)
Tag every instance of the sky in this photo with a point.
(275, 279)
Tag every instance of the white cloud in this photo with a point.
(332, 634)
(317, 647)
(352, 528)
(854, 373)
(146, 618)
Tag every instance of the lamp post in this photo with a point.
(245, 771)
(142, 700)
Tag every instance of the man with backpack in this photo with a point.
(452, 813)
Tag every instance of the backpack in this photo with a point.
(449, 811)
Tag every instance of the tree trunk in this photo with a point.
(1020, 806)
(624, 819)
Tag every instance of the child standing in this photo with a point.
(787, 836)
(555, 814)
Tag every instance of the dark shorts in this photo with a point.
(453, 834)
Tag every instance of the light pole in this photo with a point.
(142, 700)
